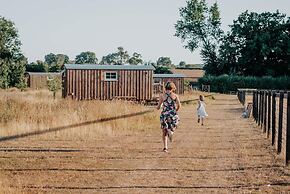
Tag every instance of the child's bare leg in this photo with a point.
(164, 139)
(198, 118)
(201, 120)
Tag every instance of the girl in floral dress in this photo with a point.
(169, 118)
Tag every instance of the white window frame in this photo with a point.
(110, 76)
(157, 81)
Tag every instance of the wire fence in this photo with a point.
(271, 111)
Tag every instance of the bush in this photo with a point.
(54, 84)
(225, 83)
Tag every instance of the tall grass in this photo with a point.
(29, 111)
(5, 188)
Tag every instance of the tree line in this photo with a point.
(55, 62)
(257, 44)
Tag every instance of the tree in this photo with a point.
(164, 61)
(54, 84)
(199, 26)
(56, 62)
(50, 59)
(120, 57)
(182, 64)
(135, 59)
(86, 58)
(258, 45)
(150, 63)
(110, 59)
(38, 66)
(162, 70)
(12, 61)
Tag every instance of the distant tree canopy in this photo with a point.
(38, 66)
(182, 64)
(52, 63)
(200, 26)
(12, 61)
(135, 59)
(122, 57)
(164, 61)
(56, 62)
(86, 58)
(162, 65)
(256, 45)
(162, 70)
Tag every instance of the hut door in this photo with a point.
(157, 86)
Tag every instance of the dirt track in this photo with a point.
(227, 155)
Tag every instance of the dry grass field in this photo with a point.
(36, 111)
(63, 146)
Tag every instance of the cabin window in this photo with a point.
(157, 81)
(111, 76)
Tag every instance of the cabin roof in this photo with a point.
(109, 67)
(168, 75)
(189, 73)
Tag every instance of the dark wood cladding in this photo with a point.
(40, 80)
(178, 81)
(90, 84)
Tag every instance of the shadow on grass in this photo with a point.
(33, 133)
(194, 100)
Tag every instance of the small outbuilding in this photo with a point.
(39, 80)
(106, 82)
(161, 79)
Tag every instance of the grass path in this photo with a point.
(226, 155)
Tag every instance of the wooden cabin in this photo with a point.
(106, 82)
(191, 75)
(39, 80)
(161, 79)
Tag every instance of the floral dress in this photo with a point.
(169, 118)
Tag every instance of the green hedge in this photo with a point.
(227, 83)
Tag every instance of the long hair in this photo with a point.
(201, 97)
(170, 86)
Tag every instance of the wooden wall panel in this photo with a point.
(143, 85)
(90, 84)
(80, 85)
(72, 83)
(179, 83)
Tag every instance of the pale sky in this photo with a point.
(144, 26)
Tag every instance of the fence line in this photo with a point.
(271, 111)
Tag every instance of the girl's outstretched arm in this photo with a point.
(198, 105)
(160, 101)
(178, 103)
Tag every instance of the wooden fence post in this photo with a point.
(262, 108)
(259, 109)
(281, 97)
(254, 105)
(288, 130)
(273, 117)
(265, 112)
(244, 97)
(269, 114)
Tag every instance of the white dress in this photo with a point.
(201, 111)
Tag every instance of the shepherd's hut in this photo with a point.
(106, 82)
